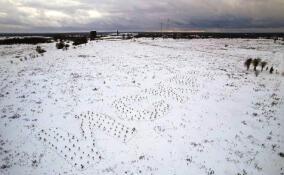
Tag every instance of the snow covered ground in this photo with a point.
(142, 107)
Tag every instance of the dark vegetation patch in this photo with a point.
(40, 50)
(191, 35)
(68, 36)
(62, 45)
(5, 166)
(15, 116)
(79, 41)
(64, 39)
(75, 38)
(25, 40)
(175, 35)
(5, 162)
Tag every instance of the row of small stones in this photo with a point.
(180, 83)
(186, 90)
(58, 137)
(91, 131)
(136, 98)
(55, 147)
(132, 114)
(169, 93)
(99, 120)
(187, 82)
(109, 125)
(182, 92)
(183, 80)
(119, 133)
(121, 102)
(84, 133)
(25, 58)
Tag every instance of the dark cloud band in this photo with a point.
(140, 15)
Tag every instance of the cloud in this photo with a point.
(140, 15)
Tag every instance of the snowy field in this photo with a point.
(142, 107)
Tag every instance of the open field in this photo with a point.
(142, 106)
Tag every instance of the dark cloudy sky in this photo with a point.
(141, 15)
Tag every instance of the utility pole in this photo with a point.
(161, 27)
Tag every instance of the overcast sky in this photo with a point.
(141, 15)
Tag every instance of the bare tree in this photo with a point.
(255, 63)
(263, 64)
(271, 70)
(248, 63)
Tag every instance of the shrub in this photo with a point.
(271, 70)
(263, 64)
(248, 63)
(66, 46)
(129, 36)
(175, 36)
(40, 50)
(79, 41)
(255, 63)
(93, 35)
(60, 45)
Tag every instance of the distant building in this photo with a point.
(93, 35)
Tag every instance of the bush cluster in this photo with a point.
(258, 62)
(62, 45)
(80, 40)
(40, 50)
